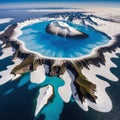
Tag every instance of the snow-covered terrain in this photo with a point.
(5, 20)
(103, 103)
(45, 94)
(63, 29)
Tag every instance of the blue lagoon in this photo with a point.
(74, 75)
(61, 47)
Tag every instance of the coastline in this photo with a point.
(97, 58)
(6, 74)
(95, 52)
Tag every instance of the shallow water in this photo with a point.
(55, 106)
(53, 110)
(54, 46)
(17, 98)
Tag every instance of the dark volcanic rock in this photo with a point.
(85, 89)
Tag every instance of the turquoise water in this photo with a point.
(53, 109)
(16, 97)
(55, 46)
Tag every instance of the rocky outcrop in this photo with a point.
(84, 86)
(61, 28)
(85, 89)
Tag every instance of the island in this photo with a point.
(61, 28)
(80, 75)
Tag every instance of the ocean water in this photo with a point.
(54, 46)
(55, 106)
(18, 98)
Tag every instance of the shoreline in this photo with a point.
(93, 53)
(5, 74)
(18, 32)
(78, 67)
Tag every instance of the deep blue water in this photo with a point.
(54, 46)
(18, 98)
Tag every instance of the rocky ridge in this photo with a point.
(85, 89)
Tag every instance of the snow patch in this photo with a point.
(65, 91)
(38, 75)
(42, 99)
(5, 20)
